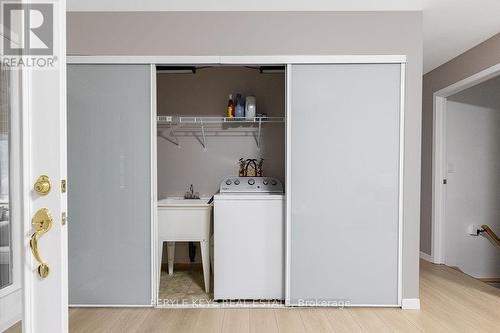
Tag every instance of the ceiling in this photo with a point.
(242, 5)
(450, 26)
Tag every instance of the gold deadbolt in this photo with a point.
(42, 222)
(42, 185)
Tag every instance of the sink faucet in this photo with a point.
(191, 194)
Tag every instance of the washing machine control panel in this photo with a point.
(251, 185)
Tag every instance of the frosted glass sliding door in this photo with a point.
(109, 184)
(344, 183)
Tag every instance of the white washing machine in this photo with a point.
(249, 233)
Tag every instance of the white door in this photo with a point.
(344, 185)
(109, 121)
(44, 154)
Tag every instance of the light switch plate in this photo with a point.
(472, 229)
(451, 167)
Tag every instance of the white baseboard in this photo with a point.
(426, 257)
(110, 305)
(11, 306)
(410, 303)
(8, 322)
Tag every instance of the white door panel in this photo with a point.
(109, 119)
(44, 153)
(344, 183)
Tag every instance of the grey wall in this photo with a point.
(471, 62)
(261, 33)
(206, 93)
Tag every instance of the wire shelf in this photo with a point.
(179, 123)
(177, 120)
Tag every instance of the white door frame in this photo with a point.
(239, 60)
(154, 188)
(44, 139)
(439, 173)
(285, 60)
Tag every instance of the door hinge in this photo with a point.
(63, 185)
(64, 218)
(445, 181)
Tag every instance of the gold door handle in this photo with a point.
(42, 185)
(42, 222)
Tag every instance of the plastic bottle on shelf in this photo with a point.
(230, 107)
(250, 107)
(240, 108)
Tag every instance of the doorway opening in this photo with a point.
(203, 144)
(467, 175)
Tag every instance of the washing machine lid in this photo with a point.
(251, 185)
(249, 196)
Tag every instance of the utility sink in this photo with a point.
(184, 220)
(181, 202)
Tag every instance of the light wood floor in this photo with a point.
(450, 302)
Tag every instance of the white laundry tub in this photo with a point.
(184, 220)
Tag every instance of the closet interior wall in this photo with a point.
(206, 94)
